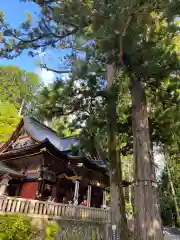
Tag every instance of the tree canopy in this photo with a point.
(18, 87)
(18, 94)
(8, 120)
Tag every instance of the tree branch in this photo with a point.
(127, 25)
(54, 70)
(26, 41)
(50, 31)
(58, 38)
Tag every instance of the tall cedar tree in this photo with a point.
(79, 104)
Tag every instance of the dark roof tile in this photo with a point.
(41, 132)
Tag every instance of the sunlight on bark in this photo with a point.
(155, 226)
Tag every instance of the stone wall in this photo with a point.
(74, 230)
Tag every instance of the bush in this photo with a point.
(16, 227)
(51, 230)
(94, 235)
(167, 210)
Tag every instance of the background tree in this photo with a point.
(19, 88)
(61, 126)
(8, 120)
(80, 103)
(164, 128)
(166, 196)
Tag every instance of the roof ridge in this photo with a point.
(34, 119)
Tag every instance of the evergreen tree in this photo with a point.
(80, 103)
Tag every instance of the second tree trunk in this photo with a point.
(147, 216)
(119, 220)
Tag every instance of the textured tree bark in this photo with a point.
(147, 217)
(116, 190)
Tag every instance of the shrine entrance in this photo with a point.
(64, 191)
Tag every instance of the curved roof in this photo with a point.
(41, 132)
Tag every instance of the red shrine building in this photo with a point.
(36, 163)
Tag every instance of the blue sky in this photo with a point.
(15, 14)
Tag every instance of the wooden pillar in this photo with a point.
(104, 198)
(54, 190)
(18, 189)
(3, 184)
(76, 192)
(89, 196)
(39, 190)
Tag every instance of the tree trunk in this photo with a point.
(119, 221)
(147, 217)
(21, 107)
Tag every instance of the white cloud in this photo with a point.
(63, 76)
(46, 76)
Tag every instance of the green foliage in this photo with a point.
(175, 173)
(167, 207)
(16, 227)
(167, 210)
(18, 86)
(79, 105)
(102, 20)
(51, 229)
(8, 120)
(61, 126)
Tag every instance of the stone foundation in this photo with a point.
(73, 230)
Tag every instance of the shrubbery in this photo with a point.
(16, 227)
(51, 230)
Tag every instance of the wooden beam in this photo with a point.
(104, 198)
(76, 193)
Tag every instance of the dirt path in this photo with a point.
(171, 234)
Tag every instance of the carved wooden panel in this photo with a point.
(23, 141)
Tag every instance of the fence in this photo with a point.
(57, 210)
